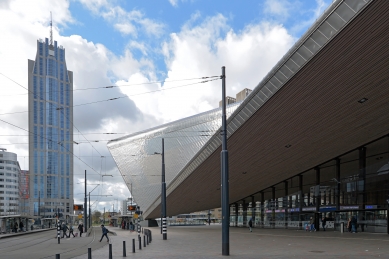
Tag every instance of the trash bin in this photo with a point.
(341, 227)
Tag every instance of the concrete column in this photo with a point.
(286, 199)
(236, 213)
(317, 198)
(362, 177)
(337, 192)
(262, 209)
(253, 209)
(273, 197)
(301, 200)
(244, 214)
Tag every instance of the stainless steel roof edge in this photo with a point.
(284, 59)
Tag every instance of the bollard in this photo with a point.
(151, 236)
(341, 227)
(89, 253)
(133, 245)
(124, 249)
(110, 251)
(142, 230)
(57, 256)
(147, 237)
(59, 234)
(144, 241)
(140, 242)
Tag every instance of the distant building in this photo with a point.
(9, 183)
(239, 97)
(51, 131)
(24, 191)
(229, 100)
(243, 94)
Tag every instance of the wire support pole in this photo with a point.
(224, 174)
(85, 207)
(163, 194)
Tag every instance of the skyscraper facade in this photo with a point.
(50, 119)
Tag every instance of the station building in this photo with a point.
(310, 140)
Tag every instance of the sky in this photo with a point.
(154, 53)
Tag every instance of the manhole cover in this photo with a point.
(317, 252)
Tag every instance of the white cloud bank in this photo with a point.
(194, 51)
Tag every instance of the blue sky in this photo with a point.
(131, 44)
(295, 15)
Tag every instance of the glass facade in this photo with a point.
(353, 185)
(138, 156)
(52, 136)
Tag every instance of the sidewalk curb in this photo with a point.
(25, 233)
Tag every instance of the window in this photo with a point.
(41, 89)
(35, 111)
(35, 87)
(41, 66)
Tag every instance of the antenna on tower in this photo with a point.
(51, 29)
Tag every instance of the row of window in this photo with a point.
(9, 186)
(8, 174)
(8, 162)
(9, 180)
(9, 168)
(9, 198)
(10, 204)
(9, 192)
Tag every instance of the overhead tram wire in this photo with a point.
(61, 110)
(121, 97)
(50, 141)
(116, 86)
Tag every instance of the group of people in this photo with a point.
(66, 230)
(15, 226)
(127, 225)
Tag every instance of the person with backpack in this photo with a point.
(105, 233)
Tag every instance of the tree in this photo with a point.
(96, 216)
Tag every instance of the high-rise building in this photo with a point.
(9, 183)
(50, 119)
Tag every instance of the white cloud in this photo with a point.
(126, 22)
(201, 51)
(279, 8)
(173, 2)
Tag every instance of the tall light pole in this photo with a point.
(85, 204)
(163, 196)
(224, 174)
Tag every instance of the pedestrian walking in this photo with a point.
(71, 231)
(311, 221)
(64, 229)
(16, 227)
(21, 226)
(81, 229)
(349, 225)
(251, 224)
(105, 233)
(354, 224)
(323, 223)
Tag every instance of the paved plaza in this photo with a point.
(204, 242)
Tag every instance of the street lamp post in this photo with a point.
(224, 174)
